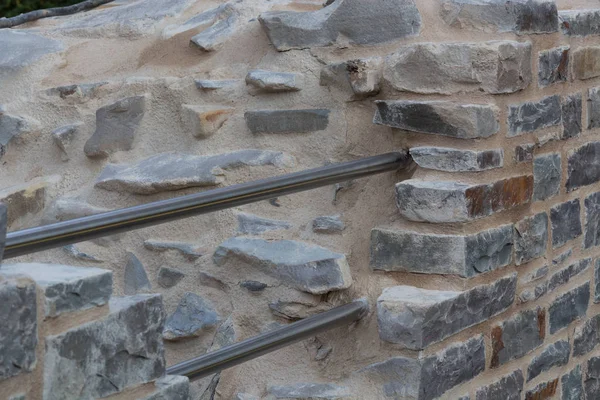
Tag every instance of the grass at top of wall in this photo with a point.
(11, 8)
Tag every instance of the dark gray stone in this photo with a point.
(273, 82)
(135, 278)
(253, 286)
(554, 355)
(463, 121)
(597, 282)
(533, 115)
(586, 336)
(580, 22)
(63, 137)
(553, 66)
(250, 224)
(170, 387)
(206, 84)
(11, 126)
(379, 22)
(189, 251)
(546, 175)
(571, 384)
(566, 222)
(537, 274)
(287, 121)
(568, 307)
(103, 357)
(564, 275)
(591, 382)
(584, 166)
(416, 318)
(359, 78)
(457, 160)
(193, 316)
(306, 391)
(397, 377)
(169, 277)
(73, 251)
(509, 387)
(585, 63)
(571, 116)
(304, 266)
(517, 336)
(592, 220)
(562, 257)
(593, 109)
(524, 152)
(543, 391)
(212, 281)
(328, 224)
(224, 26)
(19, 48)
(531, 238)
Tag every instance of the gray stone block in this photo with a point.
(63, 137)
(416, 318)
(12, 126)
(463, 121)
(517, 336)
(328, 224)
(592, 220)
(19, 48)
(593, 109)
(553, 66)
(583, 166)
(206, 84)
(253, 286)
(305, 391)
(543, 391)
(591, 383)
(568, 307)
(554, 355)
(457, 160)
(359, 78)
(524, 152)
(571, 116)
(566, 222)
(304, 266)
(189, 251)
(533, 115)
(193, 317)
(204, 121)
(169, 277)
(224, 26)
(250, 224)
(66, 288)
(580, 22)
(587, 336)
(537, 274)
(379, 22)
(546, 176)
(597, 282)
(135, 277)
(563, 276)
(585, 62)
(531, 238)
(397, 377)
(287, 121)
(170, 387)
(273, 82)
(509, 387)
(571, 385)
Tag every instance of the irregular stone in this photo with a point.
(135, 279)
(564, 276)
(592, 220)
(66, 208)
(495, 67)
(287, 121)
(26, 198)
(509, 387)
(201, 21)
(206, 84)
(20, 396)
(193, 316)
(524, 152)
(169, 277)
(546, 175)
(116, 127)
(204, 121)
(212, 281)
(170, 387)
(566, 223)
(416, 318)
(323, 353)
(463, 121)
(250, 224)
(295, 310)
(553, 66)
(592, 378)
(587, 336)
(397, 377)
(11, 126)
(543, 391)
(585, 62)
(225, 26)
(253, 286)
(273, 82)
(572, 387)
(19, 49)
(533, 115)
(18, 331)
(571, 116)
(531, 238)
(457, 160)
(580, 22)
(328, 224)
(464, 255)
(361, 78)
(562, 257)
(449, 201)
(537, 274)
(521, 16)
(174, 171)
(554, 355)
(517, 336)
(63, 137)
(211, 388)
(379, 22)
(304, 266)
(568, 307)
(188, 250)
(79, 91)
(105, 356)
(225, 335)
(306, 391)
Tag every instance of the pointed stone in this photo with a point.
(250, 224)
(169, 277)
(63, 137)
(136, 279)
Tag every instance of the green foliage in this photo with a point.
(10, 8)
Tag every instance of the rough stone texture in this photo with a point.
(19, 48)
(18, 331)
(564, 275)
(250, 224)
(531, 238)
(63, 137)
(169, 277)
(571, 385)
(554, 355)
(448, 201)
(304, 266)
(568, 307)
(494, 67)
(273, 82)
(174, 171)
(566, 223)
(295, 310)
(204, 121)
(26, 198)
(546, 176)
(206, 84)
(66, 208)
(585, 62)
(359, 78)
(253, 286)
(66, 288)
(464, 255)
(116, 127)
(135, 278)
(103, 357)
(463, 121)
(457, 160)
(74, 252)
(305, 391)
(524, 152)
(571, 116)
(379, 22)
(189, 251)
(591, 382)
(287, 121)
(593, 109)
(517, 336)
(416, 318)
(537, 274)
(533, 115)
(543, 391)
(12, 126)
(397, 377)
(328, 224)
(521, 16)
(584, 165)
(562, 257)
(580, 22)
(592, 220)
(225, 25)
(194, 315)
(509, 387)
(553, 66)
(587, 336)
(170, 387)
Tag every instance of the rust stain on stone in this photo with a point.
(484, 200)
(497, 346)
(545, 392)
(542, 323)
(562, 69)
(212, 116)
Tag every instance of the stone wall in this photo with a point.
(481, 263)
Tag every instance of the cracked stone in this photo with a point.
(564, 275)
(509, 387)
(553, 66)
(212, 38)
(584, 165)
(592, 378)
(524, 152)
(571, 116)
(546, 176)
(202, 21)
(571, 385)
(193, 317)
(543, 391)
(554, 355)
(592, 220)
(593, 109)
(586, 336)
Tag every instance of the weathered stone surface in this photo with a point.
(509, 387)
(546, 176)
(287, 121)
(253, 286)
(379, 22)
(585, 62)
(592, 220)
(554, 355)
(562, 257)
(449, 201)
(494, 67)
(79, 91)
(571, 384)
(328, 224)
(273, 82)
(463, 121)
(580, 22)
(553, 66)
(190, 251)
(199, 22)
(116, 127)
(566, 223)
(250, 224)
(204, 121)
(74, 252)
(18, 331)
(306, 391)
(543, 391)
(295, 310)
(531, 238)
(517, 336)
(26, 198)
(304, 266)
(224, 26)
(564, 275)
(464, 255)
(206, 84)
(568, 307)
(533, 115)
(457, 160)
(174, 171)
(135, 278)
(360, 78)
(521, 16)
(416, 318)
(597, 281)
(170, 387)
(537, 274)
(524, 152)
(587, 336)
(169, 277)
(225, 335)
(593, 109)
(571, 116)
(397, 377)
(19, 48)
(193, 316)
(12, 126)
(591, 382)
(63, 137)
(584, 165)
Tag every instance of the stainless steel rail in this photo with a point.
(248, 349)
(81, 229)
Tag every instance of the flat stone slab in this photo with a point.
(304, 266)
(287, 121)
(66, 288)
(19, 48)
(207, 84)
(273, 82)
(250, 224)
(223, 27)
(193, 316)
(457, 160)
(202, 21)
(188, 250)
